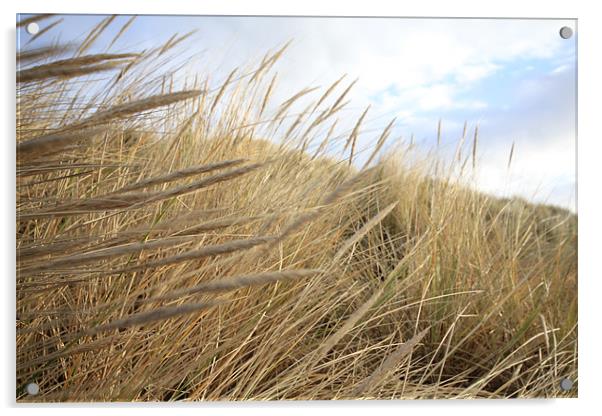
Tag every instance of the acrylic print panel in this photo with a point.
(276, 208)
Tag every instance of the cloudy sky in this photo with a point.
(515, 79)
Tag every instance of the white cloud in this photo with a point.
(542, 127)
(529, 174)
(561, 68)
(408, 53)
(476, 72)
(417, 69)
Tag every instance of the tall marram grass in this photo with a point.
(197, 243)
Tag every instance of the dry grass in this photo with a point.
(165, 252)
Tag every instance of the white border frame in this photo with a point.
(589, 162)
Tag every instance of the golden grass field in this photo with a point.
(166, 250)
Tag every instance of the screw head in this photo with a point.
(566, 32)
(566, 384)
(32, 389)
(32, 28)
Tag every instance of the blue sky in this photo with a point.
(514, 78)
